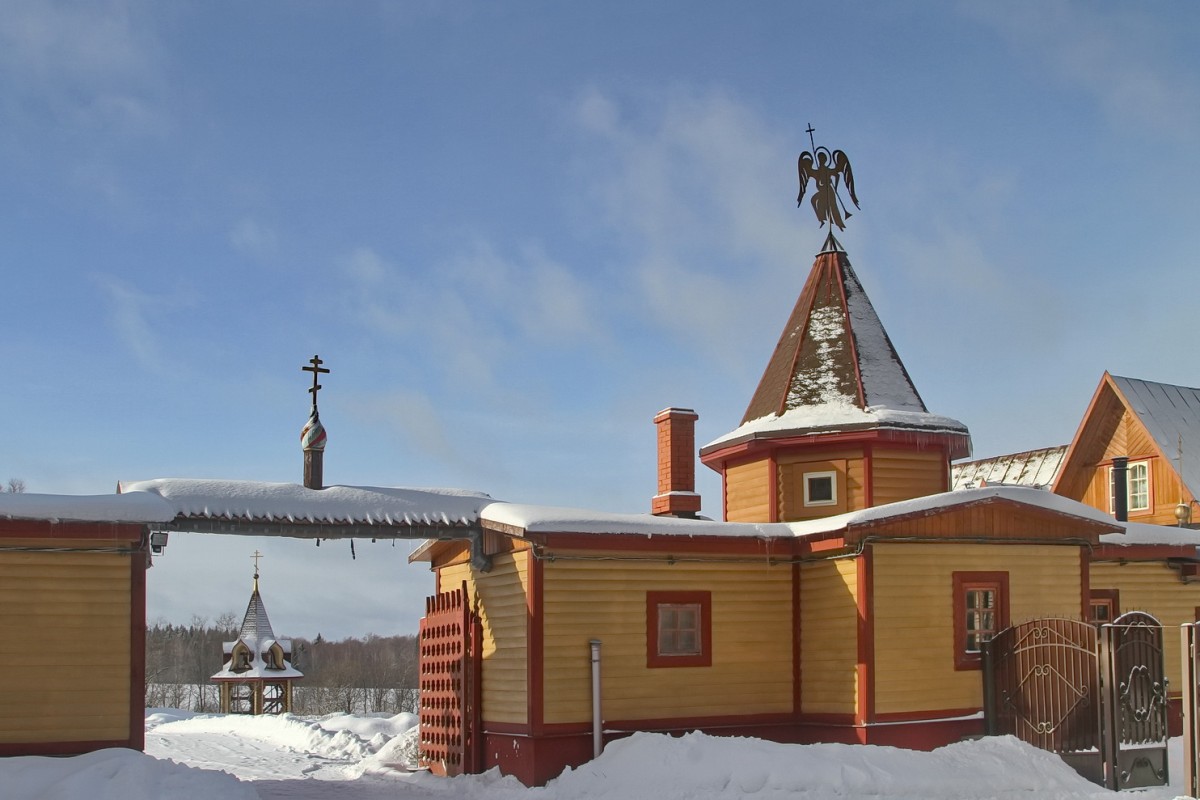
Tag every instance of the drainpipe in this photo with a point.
(597, 723)
(1120, 488)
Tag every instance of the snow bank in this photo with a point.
(285, 730)
(115, 775)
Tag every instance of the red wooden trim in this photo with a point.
(671, 724)
(772, 489)
(1142, 552)
(797, 694)
(894, 438)
(961, 581)
(137, 649)
(825, 719)
(669, 544)
(869, 475)
(1085, 584)
(937, 715)
(653, 601)
(510, 728)
(126, 533)
(61, 748)
(864, 712)
(535, 634)
(724, 494)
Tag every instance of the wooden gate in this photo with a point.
(449, 685)
(1097, 698)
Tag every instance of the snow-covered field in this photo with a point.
(194, 757)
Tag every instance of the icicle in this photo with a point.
(353, 557)
(318, 542)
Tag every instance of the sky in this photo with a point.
(514, 232)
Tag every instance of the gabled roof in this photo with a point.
(835, 369)
(1171, 414)
(1033, 468)
(1168, 414)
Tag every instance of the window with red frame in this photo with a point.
(980, 612)
(678, 629)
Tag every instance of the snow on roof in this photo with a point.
(548, 519)
(835, 417)
(292, 503)
(1035, 468)
(137, 508)
(1137, 533)
(1171, 415)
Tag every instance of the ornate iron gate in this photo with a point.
(449, 704)
(1097, 698)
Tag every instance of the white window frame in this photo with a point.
(833, 488)
(1141, 466)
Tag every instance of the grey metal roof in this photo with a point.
(1034, 468)
(1171, 414)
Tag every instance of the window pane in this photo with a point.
(678, 629)
(820, 489)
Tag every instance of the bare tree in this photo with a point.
(15, 486)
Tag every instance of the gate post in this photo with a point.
(1191, 732)
(1109, 716)
(990, 725)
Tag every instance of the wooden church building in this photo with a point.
(845, 598)
(256, 676)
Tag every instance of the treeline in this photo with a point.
(376, 674)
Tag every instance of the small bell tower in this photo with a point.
(257, 675)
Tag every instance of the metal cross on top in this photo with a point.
(316, 369)
(257, 555)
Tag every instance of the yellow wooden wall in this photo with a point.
(905, 474)
(913, 610)
(849, 465)
(828, 637)
(64, 647)
(747, 497)
(751, 670)
(1155, 588)
(500, 598)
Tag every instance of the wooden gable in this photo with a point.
(1110, 428)
(991, 519)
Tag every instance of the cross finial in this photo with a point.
(257, 555)
(316, 369)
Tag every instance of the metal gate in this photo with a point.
(1097, 698)
(449, 703)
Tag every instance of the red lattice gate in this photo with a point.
(450, 685)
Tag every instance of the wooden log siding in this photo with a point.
(904, 474)
(828, 637)
(65, 647)
(747, 492)
(751, 670)
(914, 625)
(1155, 588)
(503, 614)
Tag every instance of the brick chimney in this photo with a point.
(676, 464)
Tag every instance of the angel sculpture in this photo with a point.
(828, 171)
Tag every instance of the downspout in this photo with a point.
(597, 723)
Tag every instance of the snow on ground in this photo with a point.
(198, 756)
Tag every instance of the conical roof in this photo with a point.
(256, 625)
(836, 369)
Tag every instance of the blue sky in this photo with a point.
(516, 231)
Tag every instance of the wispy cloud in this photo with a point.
(694, 188)
(254, 239)
(128, 313)
(1120, 54)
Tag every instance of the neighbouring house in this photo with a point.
(256, 676)
(73, 620)
(845, 598)
(1034, 468)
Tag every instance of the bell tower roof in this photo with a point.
(836, 370)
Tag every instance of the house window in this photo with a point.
(1137, 479)
(678, 629)
(820, 488)
(1103, 605)
(980, 612)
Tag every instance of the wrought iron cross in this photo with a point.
(316, 369)
(257, 555)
